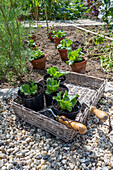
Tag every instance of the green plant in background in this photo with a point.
(12, 54)
(67, 102)
(107, 60)
(52, 85)
(55, 73)
(65, 44)
(34, 54)
(29, 89)
(74, 56)
(106, 12)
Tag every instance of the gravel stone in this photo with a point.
(1, 163)
(105, 168)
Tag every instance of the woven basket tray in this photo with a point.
(90, 90)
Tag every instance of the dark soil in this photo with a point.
(80, 39)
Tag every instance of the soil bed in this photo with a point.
(80, 39)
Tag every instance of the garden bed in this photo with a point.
(79, 38)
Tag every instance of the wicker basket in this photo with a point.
(90, 90)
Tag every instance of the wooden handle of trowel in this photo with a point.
(103, 116)
(73, 125)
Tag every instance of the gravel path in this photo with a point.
(23, 146)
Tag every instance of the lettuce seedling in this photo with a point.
(29, 89)
(52, 85)
(35, 54)
(67, 102)
(59, 34)
(65, 44)
(31, 43)
(74, 56)
(55, 73)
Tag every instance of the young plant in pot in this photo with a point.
(52, 88)
(31, 95)
(63, 47)
(51, 34)
(31, 44)
(58, 37)
(77, 61)
(66, 105)
(32, 36)
(37, 58)
(53, 72)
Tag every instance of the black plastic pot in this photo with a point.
(35, 103)
(46, 76)
(70, 115)
(48, 97)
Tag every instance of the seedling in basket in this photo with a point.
(55, 73)
(65, 44)
(67, 102)
(52, 85)
(29, 89)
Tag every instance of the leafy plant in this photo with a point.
(55, 73)
(107, 62)
(35, 54)
(31, 43)
(65, 44)
(67, 102)
(106, 13)
(29, 89)
(59, 34)
(74, 56)
(99, 40)
(52, 85)
(54, 32)
(12, 32)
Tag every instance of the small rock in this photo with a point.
(2, 155)
(1, 163)
(71, 165)
(64, 161)
(105, 168)
(82, 160)
(4, 168)
(13, 162)
(87, 163)
(46, 157)
(28, 140)
(9, 166)
(89, 148)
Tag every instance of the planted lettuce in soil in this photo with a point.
(30, 90)
(67, 102)
(35, 54)
(31, 95)
(52, 88)
(59, 34)
(65, 44)
(75, 56)
(52, 85)
(55, 73)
